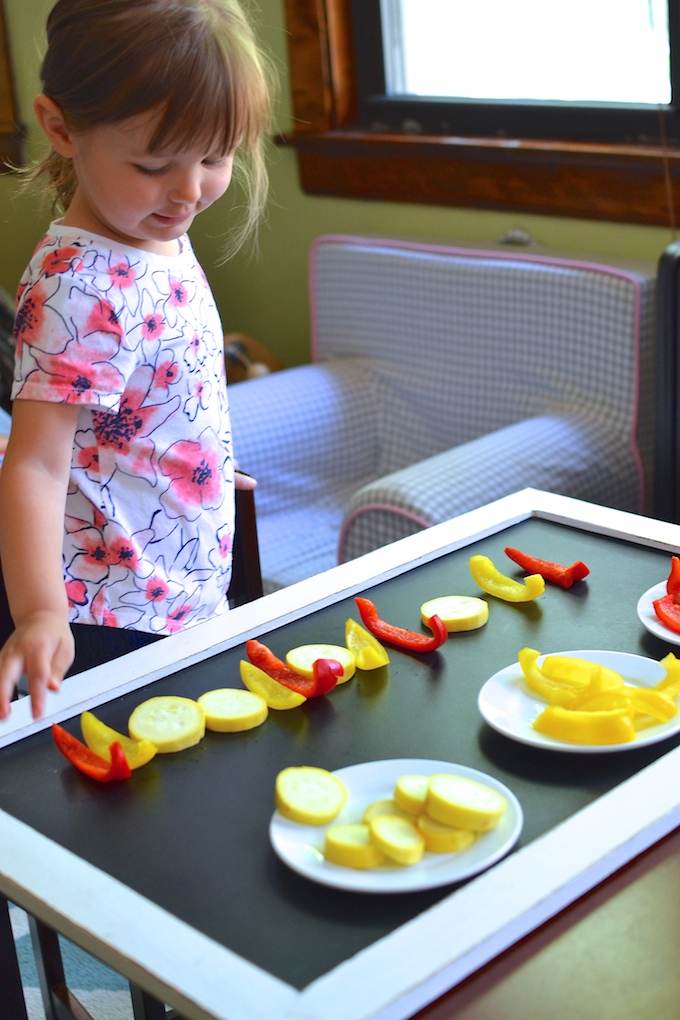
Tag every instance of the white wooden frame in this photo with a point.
(400, 974)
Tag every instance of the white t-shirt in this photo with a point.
(136, 340)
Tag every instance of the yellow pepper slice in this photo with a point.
(670, 684)
(490, 580)
(579, 671)
(614, 726)
(367, 651)
(99, 737)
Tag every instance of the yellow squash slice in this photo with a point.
(351, 846)
(302, 659)
(410, 793)
(170, 722)
(309, 795)
(457, 612)
(398, 838)
(231, 710)
(464, 803)
(443, 839)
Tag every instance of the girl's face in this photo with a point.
(140, 199)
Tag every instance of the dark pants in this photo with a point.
(97, 645)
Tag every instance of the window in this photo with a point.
(349, 145)
(519, 68)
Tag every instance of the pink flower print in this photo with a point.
(81, 368)
(76, 592)
(194, 467)
(224, 541)
(91, 563)
(166, 374)
(60, 260)
(201, 398)
(156, 589)
(103, 319)
(127, 433)
(122, 275)
(178, 293)
(30, 316)
(86, 454)
(122, 553)
(104, 616)
(153, 326)
(194, 354)
(177, 617)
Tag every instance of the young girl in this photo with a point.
(116, 492)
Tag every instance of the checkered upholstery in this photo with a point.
(442, 379)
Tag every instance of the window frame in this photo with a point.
(631, 183)
(11, 134)
(578, 121)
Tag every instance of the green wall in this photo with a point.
(266, 295)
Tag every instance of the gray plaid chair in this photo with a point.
(441, 379)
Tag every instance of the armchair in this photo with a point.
(442, 378)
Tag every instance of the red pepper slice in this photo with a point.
(87, 761)
(326, 671)
(549, 571)
(408, 639)
(673, 582)
(668, 611)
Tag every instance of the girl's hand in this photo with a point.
(42, 649)
(243, 480)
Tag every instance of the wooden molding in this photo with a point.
(635, 184)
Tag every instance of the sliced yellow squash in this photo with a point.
(384, 807)
(457, 612)
(231, 710)
(351, 846)
(170, 722)
(398, 838)
(309, 795)
(464, 803)
(443, 839)
(410, 793)
(302, 659)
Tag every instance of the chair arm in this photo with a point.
(304, 431)
(574, 457)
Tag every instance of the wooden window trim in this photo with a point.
(11, 135)
(627, 183)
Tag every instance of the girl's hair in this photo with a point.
(196, 60)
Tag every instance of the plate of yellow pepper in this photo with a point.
(584, 701)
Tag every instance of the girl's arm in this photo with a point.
(33, 484)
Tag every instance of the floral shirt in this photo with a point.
(135, 339)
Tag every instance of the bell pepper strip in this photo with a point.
(647, 701)
(324, 679)
(408, 639)
(613, 726)
(668, 611)
(490, 580)
(673, 582)
(367, 650)
(89, 763)
(99, 737)
(670, 684)
(549, 571)
(579, 671)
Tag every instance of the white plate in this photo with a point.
(508, 705)
(649, 619)
(301, 846)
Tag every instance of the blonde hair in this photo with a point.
(196, 60)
